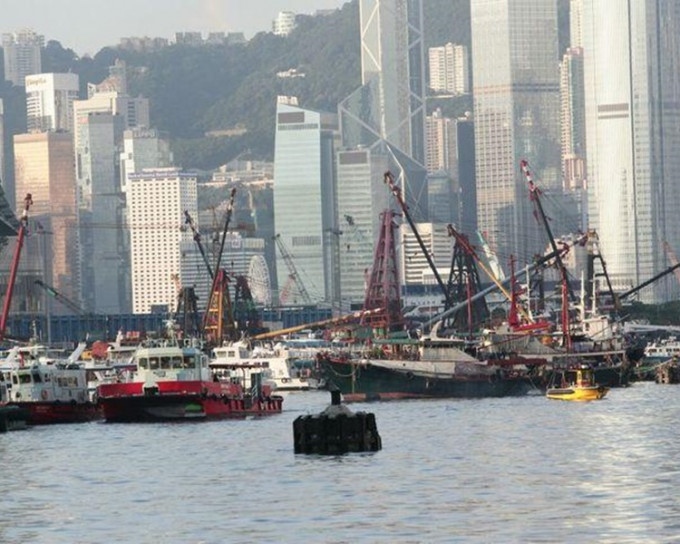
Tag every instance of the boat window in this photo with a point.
(143, 362)
(153, 363)
(37, 378)
(189, 361)
(165, 362)
(14, 379)
(176, 362)
(24, 378)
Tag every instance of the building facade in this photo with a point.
(21, 51)
(44, 168)
(449, 69)
(284, 23)
(304, 168)
(632, 84)
(157, 200)
(49, 101)
(516, 105)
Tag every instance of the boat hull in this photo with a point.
(12, 418)
(595, 392)
(52, 412)
(365, 382)
(172, 401)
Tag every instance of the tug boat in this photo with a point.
(171, 380)
(49, 390)
(576, 384)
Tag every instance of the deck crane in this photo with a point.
(197, 238)
(396, 191)
(23, 225)
(293, 276)
(218, 320)
(56, 295)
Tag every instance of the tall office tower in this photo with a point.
(467, 181)
(134, 111)
(49, 101)
(440, 137)
(3, 180)
(104, 286)
(516, 105)
(632, 67)
(44, 168)
(284, 23)
(22, 55)
(449, 69)
(143, 148)
(361, 198)
(387, 113)
(304, 198)
(156, 203)
(573, 120)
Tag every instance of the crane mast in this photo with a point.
(293, 275)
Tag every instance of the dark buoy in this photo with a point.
(336, 430)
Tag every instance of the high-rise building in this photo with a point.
(576, 23)
(440, 136)
(134, 111)
(449, 69)
(387, 113)
(467, 181)
(362, 197)
(105, 287)
(21, 52)
(516, 108)
(44, 168)
(573, 119)
(414, 269)
(157, 200)
(284, 23)
(304, 169)
(143, 148)
(631, 67)
(49, 101)
(3, 179)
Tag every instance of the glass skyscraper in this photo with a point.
(304, 199)
(632, 85)
(516, 105)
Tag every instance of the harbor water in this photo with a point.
(523, 469)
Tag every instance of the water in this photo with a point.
(489, 470)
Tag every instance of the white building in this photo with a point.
(156, 203)
(441, 144)
(49, 101)
(449, 69)
(631, 70)
(143, 148)
(413, 266)
(21, 51)
(284, 23)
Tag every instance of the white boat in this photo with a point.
(662, 350)
(238, 360)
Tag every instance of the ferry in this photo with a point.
(170, 379)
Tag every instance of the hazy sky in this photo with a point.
(88, 25)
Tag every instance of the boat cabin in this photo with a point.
(47, 383)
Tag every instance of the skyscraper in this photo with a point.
(516, 105)
(573, 119)
(449, 69)
(156, 204)
(387, 113)
(632, 69)
(304, 168)
(440, 137)
(49, 101)
(21, 52)
(284, 23)
(44, 168)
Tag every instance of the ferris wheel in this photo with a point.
(258, 280)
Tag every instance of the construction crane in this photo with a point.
(23, 225)
(672, 257)
(197, 238)
(56, 295)
(293, 276)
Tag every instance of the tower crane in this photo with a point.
(56, 295)
(197, 238)
(293, 276)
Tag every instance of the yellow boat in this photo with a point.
(577, 384)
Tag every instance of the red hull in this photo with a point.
(128, 402)
(47, 413)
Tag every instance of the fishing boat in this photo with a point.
(50, 390)
(426, 368)
(576, 384)
(170, 379)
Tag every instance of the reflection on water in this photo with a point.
(489, 470)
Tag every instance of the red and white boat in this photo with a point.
(50, 389)
(171, 380)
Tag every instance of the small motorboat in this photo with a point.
(576, 384)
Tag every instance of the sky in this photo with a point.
(88, 25)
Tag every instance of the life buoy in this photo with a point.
(43, 394)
